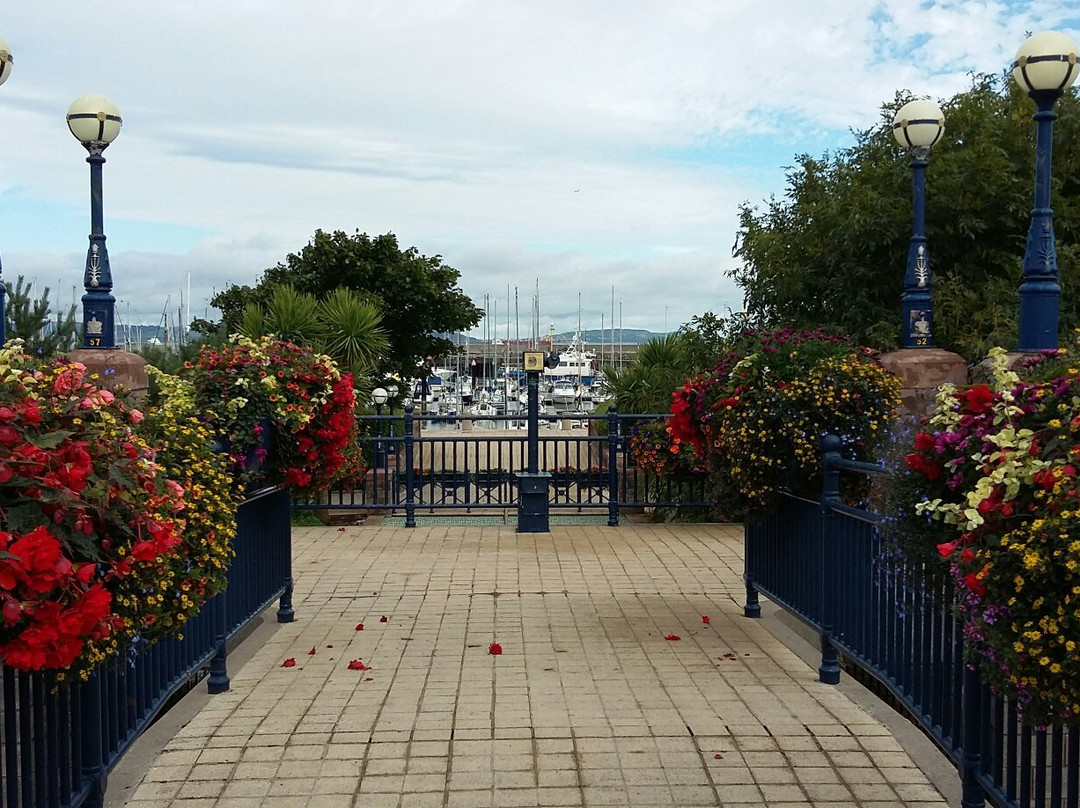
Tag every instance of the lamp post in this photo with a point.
(918, 125)
(1045, 66)
(379, 397)
(6, 62)
(95, 122)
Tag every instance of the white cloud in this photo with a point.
(518, 139)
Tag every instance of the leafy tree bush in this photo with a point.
(831, 250)
(417, 294)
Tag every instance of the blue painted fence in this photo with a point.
(57, 744)
(822, 561)
(431, 463)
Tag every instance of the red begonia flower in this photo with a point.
(357, 665)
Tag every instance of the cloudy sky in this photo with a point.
(588, 144)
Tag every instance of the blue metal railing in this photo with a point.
(60, 742)
(455, 463)
(825, 563)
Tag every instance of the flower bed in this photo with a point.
(90, 523)
(756, 419)
(992, 489)
(302, 393)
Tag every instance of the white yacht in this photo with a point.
(575, 363)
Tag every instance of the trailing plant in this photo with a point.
(305, 398)
(994, 494)
(756, 419)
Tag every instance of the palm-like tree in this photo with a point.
(345, 326)
(646, 384)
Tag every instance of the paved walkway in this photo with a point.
(588, 705)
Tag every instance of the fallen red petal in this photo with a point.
(718, 756)
(341, 530)
(359, 626)
(495, 649)
(705, 619)
(672, 637)
(357, 665)
(383, 619)
(312, 651)
(289, 663)
(369, 678)
(331, 645)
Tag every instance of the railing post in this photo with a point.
(285, 612)
(91, 721)
(218, 681)
(829, 669)
(410, 480)
(971, 792)
(752, 607)
(613, 471)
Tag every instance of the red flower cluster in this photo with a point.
(82, 506)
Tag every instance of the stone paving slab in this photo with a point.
(588, 705)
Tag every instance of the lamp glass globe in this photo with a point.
(6, 60)
(1046, 61)
(94, 119)
(918, 124)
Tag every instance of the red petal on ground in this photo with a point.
(495, 649)
(357, 665)
(289, 663)
(312, 651)
(672, 637)
(718, 756)
(705, 619)
(359, 626)
(383, 619)
(341, 530)
(331, 645)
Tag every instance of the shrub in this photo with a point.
(757, 417)
(994, 494)
(302, 393)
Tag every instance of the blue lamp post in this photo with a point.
(6, 61)
(95, 122)
(918, 125)
(1045, 66)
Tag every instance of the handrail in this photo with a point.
(60, 742)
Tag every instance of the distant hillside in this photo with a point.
(593, 337)
(596, 336)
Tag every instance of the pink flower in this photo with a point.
(136, 416)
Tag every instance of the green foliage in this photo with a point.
(417, 294)
(344, 325)
(832, 250)
(646, 384)
(31, 320)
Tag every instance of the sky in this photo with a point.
(598, 148)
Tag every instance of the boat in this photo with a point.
(575, 363)
(564, 394)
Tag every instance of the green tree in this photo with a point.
(832, 250)
(417, 294)
(31, 319)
